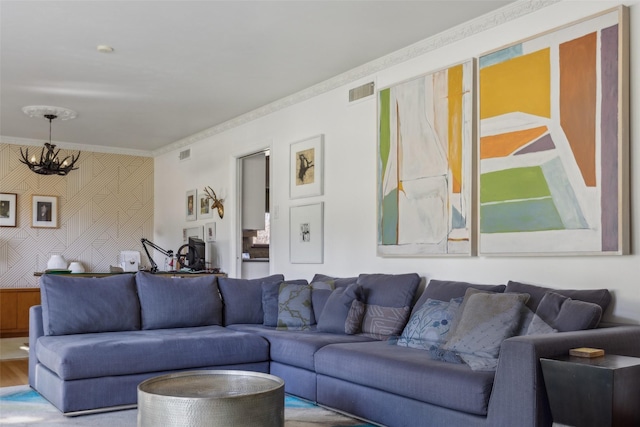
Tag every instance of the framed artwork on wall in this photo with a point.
(306, 167)
(204, 208)
(192, 232)
(210, 232)
(44, 211)
(8, 209)
(190, 205)
(553, 150)
(306, 234)
(425, 159)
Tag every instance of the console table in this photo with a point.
(163, 274)
(599, 392)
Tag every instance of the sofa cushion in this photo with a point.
(565, 314)
(242, 298)
(335, 282)
(336, 310)
(297, 348)
(353, 323)
(486, 320)
(110, 354)
(602, 297)
(270, 292)
(388, 299)
(178, 302)
(407, 372)
(294, 307)
(445, 290)
(73, 305)
(428, 327)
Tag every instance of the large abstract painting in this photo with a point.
(425, 136)
(554, 141)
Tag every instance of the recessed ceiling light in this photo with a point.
(103, 48)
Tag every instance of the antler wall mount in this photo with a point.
(216, 203)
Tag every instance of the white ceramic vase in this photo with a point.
(76, 267)
(56, 262)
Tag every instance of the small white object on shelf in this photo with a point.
(76, 267)
(56, 262)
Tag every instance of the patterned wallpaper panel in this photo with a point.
(104, 207)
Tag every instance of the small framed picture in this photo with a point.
(190, 205)
(204, 207)
(8, 209)
(210, 232)
(306, 234)
(44, 211)
(306, 167)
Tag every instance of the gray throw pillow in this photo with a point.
(242, 298)
(487, 319)
(335, 312)
(294, 306)
(566, 314)
(74, 305)
(178, 302)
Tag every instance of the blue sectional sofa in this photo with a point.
(371, 345)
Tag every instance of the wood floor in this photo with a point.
(14, 372)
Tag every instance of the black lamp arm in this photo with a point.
(154, 266)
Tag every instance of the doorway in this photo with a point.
(254, 257)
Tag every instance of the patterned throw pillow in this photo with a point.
(429, 325)
(353, 324)
(383, 323)
(294, 307)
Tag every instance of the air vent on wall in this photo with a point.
(361, 91)
(185, 154)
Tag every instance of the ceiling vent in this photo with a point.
(185, 154)
(361, 91)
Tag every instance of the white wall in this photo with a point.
(350, 181)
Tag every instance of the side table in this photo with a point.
(600, 392)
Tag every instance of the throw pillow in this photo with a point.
(353, 324)
(532, 324)
(566, 314)
(73, 305)
(486, 320)
(242, 298)
(334, 315)
(178, 302)
(294, 306)
(445, 290)
(429, 325)
(602, 297)
(320, 291)
(270, 291)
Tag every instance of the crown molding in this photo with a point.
(485, 22)
(76, 147)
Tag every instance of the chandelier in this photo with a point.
(49, 163)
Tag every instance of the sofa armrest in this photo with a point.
(36, 330)
(519, 396)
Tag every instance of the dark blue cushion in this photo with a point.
(335, 311)
(178, 302)
(270, 300)
(389, 290)
(602, 297)
(75, 305)
(242, 298)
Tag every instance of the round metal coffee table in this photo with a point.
(211, 398)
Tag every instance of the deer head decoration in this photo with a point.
(215, 202)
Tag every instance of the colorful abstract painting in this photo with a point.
(552, 148)
(425, 133)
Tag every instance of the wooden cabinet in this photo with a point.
(14, 310)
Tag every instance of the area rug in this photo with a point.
(14, 348)
(21, 406)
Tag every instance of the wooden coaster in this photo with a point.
(586, 352)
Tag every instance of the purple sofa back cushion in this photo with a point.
(602, 297)
(77, 305)
(178, 302)
(242, 299)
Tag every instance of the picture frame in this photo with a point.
(8, 209)
(553, 166)
(306, 234)
(204, 207)
(192, 232)
(210, 232)
(425, 164)
(306, 167)
(44, 211)
(190, 205)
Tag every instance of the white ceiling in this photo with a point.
(181, 67)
